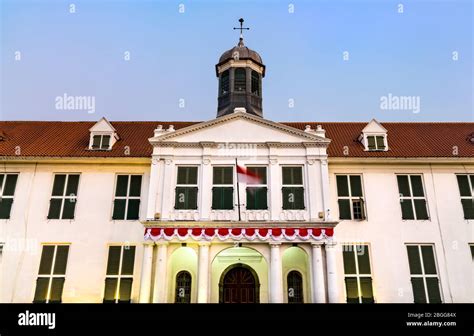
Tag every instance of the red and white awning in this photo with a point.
(262, 234)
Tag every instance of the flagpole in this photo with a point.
(238, 189)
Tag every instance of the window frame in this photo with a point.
(224, 81)
(302, 185)
(101, 142)
(119, 275)
(2, 189)
(234, 179)
(178, 185)
(51, 276)
(423, 275)
(244, 83)
(127, 197)
(412, 198)
(183, 271)
(265, 185)
(375, 136)
(353, 198)
(292, 271)
(63, 197)
(471, 188)
(358, 275)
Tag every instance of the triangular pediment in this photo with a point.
(374, 127)
(239, 127)
(103, 125)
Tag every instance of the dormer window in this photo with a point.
(374, 137)
(103, 136)
(101, 142)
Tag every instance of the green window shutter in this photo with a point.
(125, 290)
(69, 208)
(356, 186)
(56, 293)
(417, 185)
(371, 142)
(122, 185)
(72, 184)
(10, 184)
(192, 198)
(349, 259)
(96, 141)
(463, 185)
(46, 259)
(62, 252)
(119, 209)
(113, 260)
(352, 291)
(293, 198)
(58, 185)
(133, 209)
(419, 293)
(41, 290)
(135, 185)
(363, 259)
(434, 294)
(5, 207)
(380, 143)
(407, 209)
(420, 209)
(257, 198)
(55, 208)
(366, 288)
(428, 259)
(468, 208)
(105, 142)
(186, 198)
(222, 198)
(110, 289)
(414, 259)
(342, 186)
(403, 186)
(344, 209)
(128, 260)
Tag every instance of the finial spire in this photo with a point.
(241, 39)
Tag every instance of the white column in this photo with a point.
(203, 273)
(160, 168)
(274, 182)
(205, 190)
(333, 294)
(159, 286)
(145, 279)
(311, 182)
(276, 274)
(319, 286)
(167, 196)
(153, 188)
(325, 189)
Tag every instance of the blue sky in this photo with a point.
(172, 57)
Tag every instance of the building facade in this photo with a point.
(155, 211)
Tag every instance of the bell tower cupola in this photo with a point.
(240, 71)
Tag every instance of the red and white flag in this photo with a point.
(244, 175)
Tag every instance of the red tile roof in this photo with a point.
(71, 139)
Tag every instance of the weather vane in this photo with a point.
(241, 27)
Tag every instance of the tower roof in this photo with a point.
(243, 53)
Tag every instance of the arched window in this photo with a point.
(256, 83)
(240, 80)
(224, 85)
(295, 287)
(183, 287)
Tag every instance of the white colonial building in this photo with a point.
(153, 211)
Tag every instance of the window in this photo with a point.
(350, 197)
(186, 188)
(223, 188)
(225, 83)
(295, 287)
(183, 287)
(7, 190)
(240, 80)
(424, 275)
(466, 189)
(412, 197)
(127, 197)
(64, 196)
(376, 143)
(119, 275)
(470, 246)
(357, 274)
(293, 191)
(101, 142)
(257, 193)
(51, 274)
(256, 83)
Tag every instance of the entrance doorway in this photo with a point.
(239, 284)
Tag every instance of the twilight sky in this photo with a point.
(327, 60)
